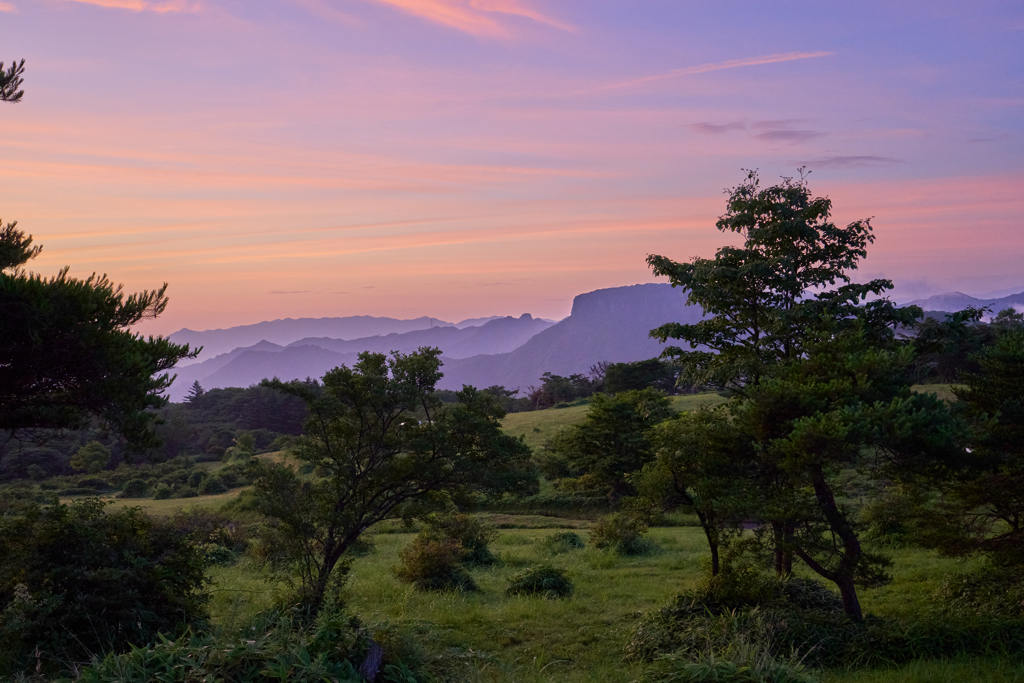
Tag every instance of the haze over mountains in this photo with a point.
(605, 325)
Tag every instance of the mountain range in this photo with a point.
(951, 302)
(605, 325)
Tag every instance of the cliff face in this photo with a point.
(605, 325)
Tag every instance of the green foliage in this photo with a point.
(76, 580)
(93, 458)
(211, 486)
(562, 541)
(473, 535)
(279, 645)
(611, 443)
(992, 591)
(544, 580)
(731, 667)
(622, 532)
(162, 492)
(134, 488)
(642, 374)
(67, 352)
(555, 389)
(388, 449)
(435, 565)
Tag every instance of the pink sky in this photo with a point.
(461, 158)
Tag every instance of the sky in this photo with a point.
(463, 158)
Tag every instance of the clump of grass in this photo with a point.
(623, 533)
(562, 541)
(434, 565)
(544, 580)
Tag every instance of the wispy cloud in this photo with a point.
(297, 291)
(8, 7)
(165, 7)
(717, 128)
(785, 131)
(849, 162)
(473, 16)
(718, 66)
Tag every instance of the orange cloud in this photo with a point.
(473, 16)
(8, 7)
(718, 66)
(167, 7)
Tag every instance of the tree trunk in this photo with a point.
(852, 552)
(849, 594)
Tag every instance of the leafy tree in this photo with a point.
(642, 374)
(982, 508)
(847, 405)
(556, 389)
(67, 353)
(819, 380)
(613, 441)
(765, 299)
(76, 580)
(387, 448)
(703, 467)
(10, 81)
(93, 457)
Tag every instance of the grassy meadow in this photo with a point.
(486, 636)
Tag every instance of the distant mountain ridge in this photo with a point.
(605, 325)
(287, 330)
(951, 302)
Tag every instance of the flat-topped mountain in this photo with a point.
(605, 325)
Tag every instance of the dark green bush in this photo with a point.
(623, 533)
(186, 492)
(134, 488)
(473, 535)
(162, 492)
(196, 478)
(94, 483)
(434, 565)
(992, 591)
(544, 580)
(562, 541)
(76, 580)
(277, 646)
(212, 486)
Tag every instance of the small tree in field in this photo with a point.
(93, 457)
(387, 448)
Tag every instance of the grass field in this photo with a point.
(486, 636)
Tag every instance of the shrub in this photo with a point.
(544, 580)
(990, 592)
(212, 486)
(472, 535)
(196, 478)
(622, 533)
(186, 492)
(162, 492)
(76, 580)
(93, 483)
(434, 565)
(562, 541)
(277, 645)
(134, 488)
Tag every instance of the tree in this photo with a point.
(702, 466)
(640, 374)
(387, 448)
(982, 508)
(613, 441)
(10, 81)
(765, 300)
(195, 393)
(93, 457)
(67, 353)
(819, 379)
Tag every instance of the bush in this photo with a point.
(162, 492)
(196, 478)
(473, 535)
(622, 533)
(134, 488)
(434, 565)
(76, 580)
(93, 483)
(186, 492)
(990, 592)
(544, 580)
(278, 645)
(212, 486)
(562, 541)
